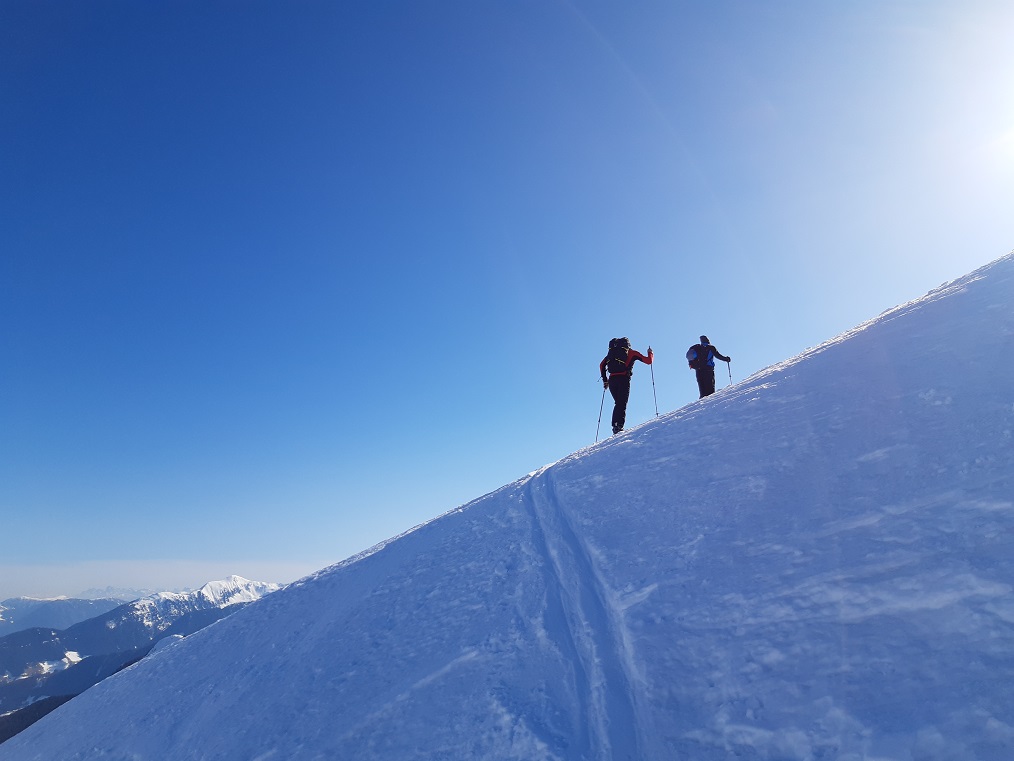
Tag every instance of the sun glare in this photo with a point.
(1002, 147)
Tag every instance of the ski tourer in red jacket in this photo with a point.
(619, 363)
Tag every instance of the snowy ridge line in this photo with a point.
(594, 626)
(382, 545)
(941, 291)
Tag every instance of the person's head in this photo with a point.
(704, 341)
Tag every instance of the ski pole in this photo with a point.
(728, 366)
(652, 366)
(601, 405)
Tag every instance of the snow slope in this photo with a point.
(815, 563)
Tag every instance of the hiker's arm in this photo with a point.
(720, 355)
(637, 355)
(602, 368)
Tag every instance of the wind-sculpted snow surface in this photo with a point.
(815, 563)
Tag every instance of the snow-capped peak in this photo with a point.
(236, 589)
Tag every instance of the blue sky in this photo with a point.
(281, 280)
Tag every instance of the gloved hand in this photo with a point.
(605, 383)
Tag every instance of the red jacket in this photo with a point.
(631, 356)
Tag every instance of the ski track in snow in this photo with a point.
(594, 628)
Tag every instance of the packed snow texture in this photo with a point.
(814, 563)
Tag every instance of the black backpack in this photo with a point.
(697, 355)
(616, 360)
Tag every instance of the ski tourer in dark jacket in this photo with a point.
(701, 358)
(619, 363)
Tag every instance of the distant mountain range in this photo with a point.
(22, 613)
(44, 665)
(123, 594)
